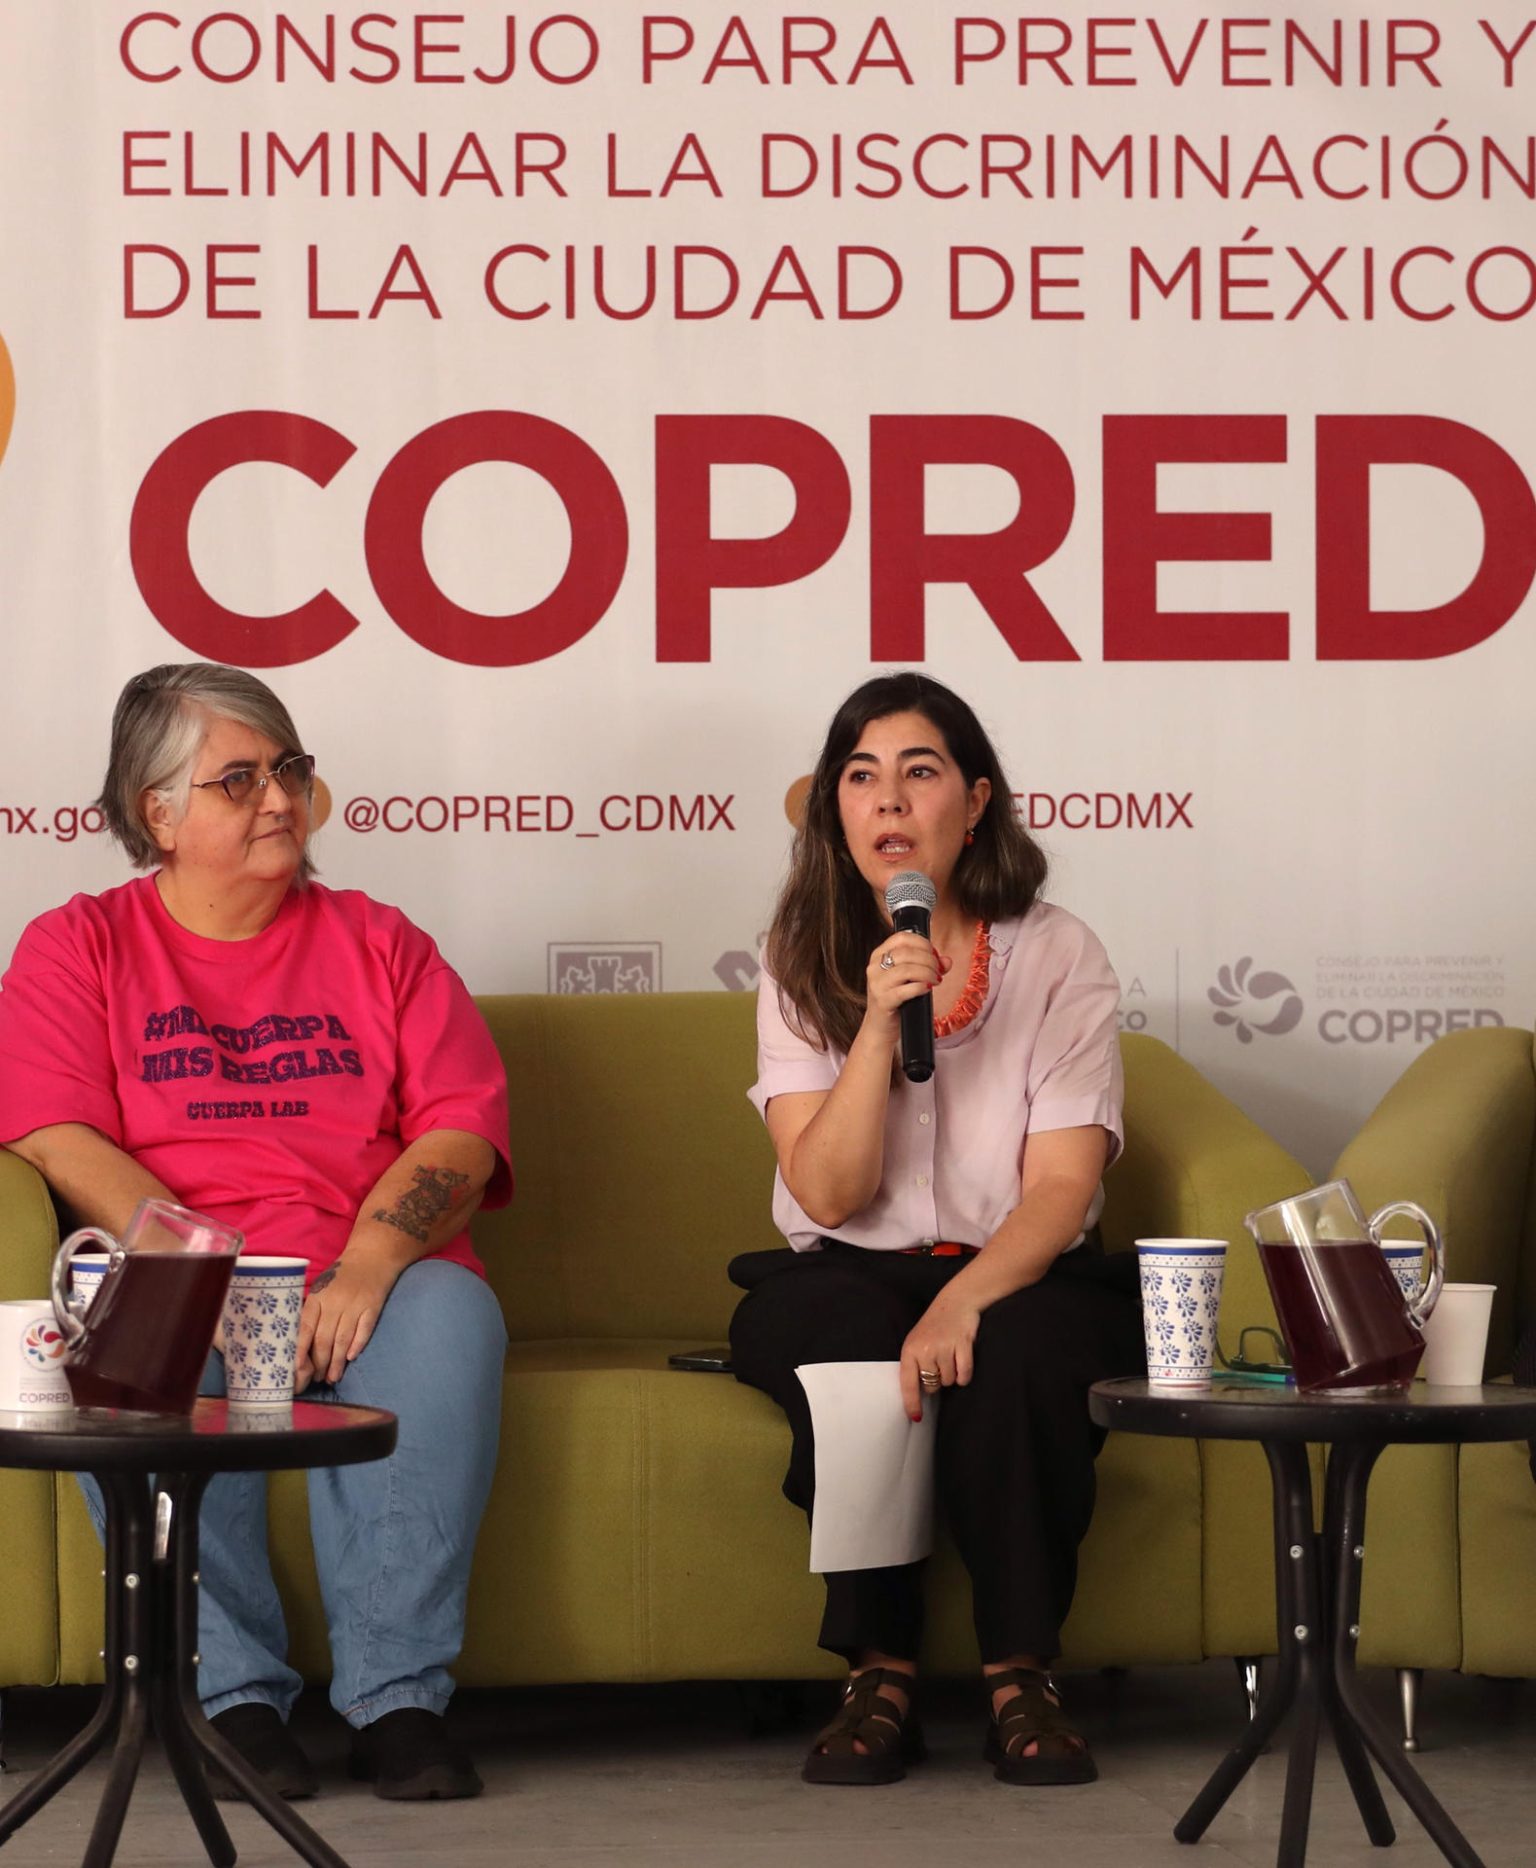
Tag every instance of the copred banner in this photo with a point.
(565, 409)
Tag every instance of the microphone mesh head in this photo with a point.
(911, 889)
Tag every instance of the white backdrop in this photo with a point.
(1303, 846)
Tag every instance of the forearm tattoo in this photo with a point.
(420, 1207)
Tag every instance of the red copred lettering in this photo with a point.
(392, 537)
(1348, 446)
(159, 547)
(904, 557)
(691, 563)
(1138, 537)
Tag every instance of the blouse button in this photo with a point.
(925, 1118)
(922, 1180)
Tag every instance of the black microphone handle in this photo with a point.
(916, 1014)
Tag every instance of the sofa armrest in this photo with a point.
(1454, 1133)
(29, 1229)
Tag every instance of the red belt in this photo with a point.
(941, 1248)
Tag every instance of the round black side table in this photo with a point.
(152, 1470)
(1317, 1574)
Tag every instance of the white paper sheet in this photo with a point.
(874, 1467)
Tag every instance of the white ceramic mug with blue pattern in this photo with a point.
(261, 1330)
(1180, 1298)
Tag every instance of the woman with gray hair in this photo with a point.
(301, 1064)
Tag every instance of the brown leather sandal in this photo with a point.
(1032, 1717)
(891, 1739)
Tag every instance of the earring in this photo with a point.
(970, 838)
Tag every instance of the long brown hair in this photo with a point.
(827, 923)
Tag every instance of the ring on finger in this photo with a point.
(887, 960)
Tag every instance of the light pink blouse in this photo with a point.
(1042, 1053)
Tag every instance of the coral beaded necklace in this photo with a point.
(970, 1001)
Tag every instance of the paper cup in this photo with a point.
(261, 1330)
(86, 1272)
(1456, 1336)
(1180, 1296)
(1406, 1257)
(32, 1358)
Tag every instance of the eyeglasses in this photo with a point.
(295, 775)
(1276, 1369)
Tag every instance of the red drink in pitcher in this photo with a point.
(142, 1342)
(151, 1330)
(1353, 1333)
(1344, 1317)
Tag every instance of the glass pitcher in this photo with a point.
(1347, 1322)
(144, 1343)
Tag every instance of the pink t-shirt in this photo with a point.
(1042, 1053)
(267, 1082)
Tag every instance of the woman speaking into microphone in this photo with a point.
(947, 1221)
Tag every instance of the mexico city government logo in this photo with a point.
(613, 966)
(1262, 1001)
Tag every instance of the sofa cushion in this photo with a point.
(636, 1532)
(641, 1167)
(1454, 1133)
(1410, 1594)
(1497, 1513)
(29, 1648)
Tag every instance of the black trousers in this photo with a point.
(1015, 1447)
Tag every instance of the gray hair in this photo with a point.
(158, 728)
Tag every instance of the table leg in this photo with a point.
(183, 1709)
(48, 1782)
(168, 1721)
(1345, 1559)
(1302, 1629)
(130, 1657)
(1292, 1491)
(1339, 1551)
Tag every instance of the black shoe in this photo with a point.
(257, 1732)
(408, 1756)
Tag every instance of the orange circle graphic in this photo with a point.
(319, 804)
(794, 800)
(7, 395)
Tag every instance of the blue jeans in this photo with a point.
(393, 1538)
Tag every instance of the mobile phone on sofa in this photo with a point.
(716, 1361)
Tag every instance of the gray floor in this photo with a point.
(671, 1777)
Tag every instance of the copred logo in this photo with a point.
(1262, 1001)
(42, 1344)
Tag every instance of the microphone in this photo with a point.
(910, 900)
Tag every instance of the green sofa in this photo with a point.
(1457, 1133)
(636, 1530)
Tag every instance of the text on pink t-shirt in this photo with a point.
(267, 1082)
